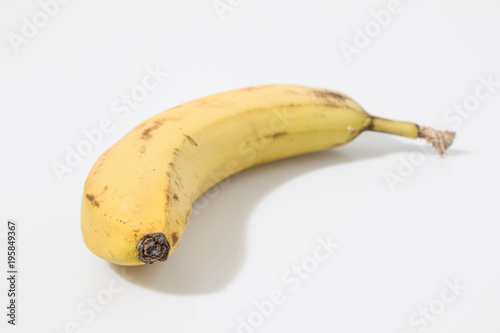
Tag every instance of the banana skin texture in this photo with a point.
(138, 196)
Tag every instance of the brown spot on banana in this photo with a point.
(330, 96)
(190, 139)
(175, 238)
(92, 199)
(146, 134)
(275, 135)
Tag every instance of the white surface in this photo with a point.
(396, 249)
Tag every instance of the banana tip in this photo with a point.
(153, 247)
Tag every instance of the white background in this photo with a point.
(398, 245)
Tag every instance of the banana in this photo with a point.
(138, 196)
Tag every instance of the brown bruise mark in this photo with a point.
(275, 135)
(169, 194)
(166, 207)
(325, 93)
(146, 134)
(92, 199)
(175, 197)
(190, 140)
(172, 165)
(330, 96)
(175, 238)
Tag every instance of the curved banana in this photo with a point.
(138, 195)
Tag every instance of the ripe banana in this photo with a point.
(137, 197)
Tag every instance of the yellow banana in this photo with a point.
(138, 196)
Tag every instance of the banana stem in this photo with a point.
(441, 140)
